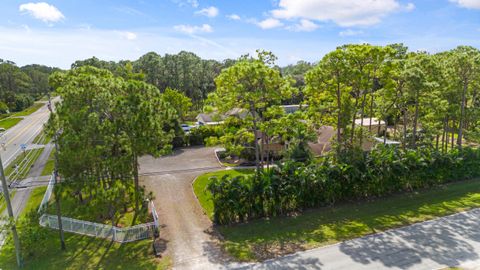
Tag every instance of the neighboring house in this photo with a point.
(205, 119)
(376, 125)
(237, 112)
(292, 108)
(325, 135)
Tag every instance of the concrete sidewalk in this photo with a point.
(449, 241)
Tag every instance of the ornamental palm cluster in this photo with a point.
(292, 186)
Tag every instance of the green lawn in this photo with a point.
(200, 184)
(9, 122)
(82, 252)
(262, 239)
(3, 204)
(71, 207)
(30, 110)
(50, 165)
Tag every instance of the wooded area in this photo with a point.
(21, 86)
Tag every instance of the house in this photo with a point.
(292, 108)
(373, 124)
(205, 119)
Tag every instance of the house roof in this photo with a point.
(204, 118)
(366, 121)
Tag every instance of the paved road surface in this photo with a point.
(24, 132)
(449, 241)
(187, 233)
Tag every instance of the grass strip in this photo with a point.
(30, 110)
(82, 252)
(262, 239)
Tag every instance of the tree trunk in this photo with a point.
(453, 134)
(136, 182)
(361, 119)
(339, 119)
(404, 128)
(352, 132)
(462, 114)
(257, 150)
(445, 122)
(415, 121)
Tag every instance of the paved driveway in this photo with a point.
(186, 232)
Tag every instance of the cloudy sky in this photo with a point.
(57, 33)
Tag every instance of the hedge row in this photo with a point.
(293, 186)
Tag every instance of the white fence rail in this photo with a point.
(47, 195)
(122, 235)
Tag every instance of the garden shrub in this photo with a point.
(353, 175)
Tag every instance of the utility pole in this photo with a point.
(6, 195)
(55, 175)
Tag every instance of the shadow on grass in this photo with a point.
(264, 239)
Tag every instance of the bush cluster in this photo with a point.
(293, 186)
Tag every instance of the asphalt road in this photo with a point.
(22, 133)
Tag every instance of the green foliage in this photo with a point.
(9, 122)
(106, 123)
(353, 175)
(203, 134)
(178, 101)
(3, 108)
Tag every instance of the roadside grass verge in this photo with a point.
(25, 165)
(268, 238)
(200, 187)
(30, 110)
(41, 138)
(82, 252)
(3, 204)
(50, 165)
(9, 122)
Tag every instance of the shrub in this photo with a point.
(354, 175)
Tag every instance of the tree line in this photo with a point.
(21, 86)
(428, 102)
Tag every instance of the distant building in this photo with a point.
(375, 124)
(292, 108)
(205, 119)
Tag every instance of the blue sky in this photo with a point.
(57, 32)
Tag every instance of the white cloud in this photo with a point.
(42, 11)
(475, 4)
(210, 12)
(128, 35)
(234, 17)
(193, 29)
(341, 12)
(410, 7)
(350, 32)
(182, 3)
(304, 26)
(269, 23)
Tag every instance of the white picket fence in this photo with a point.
(47, 195)
(121, 235)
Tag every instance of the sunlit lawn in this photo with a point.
(30, 110)
(9, 122)
(82, 252)
(261, 239)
